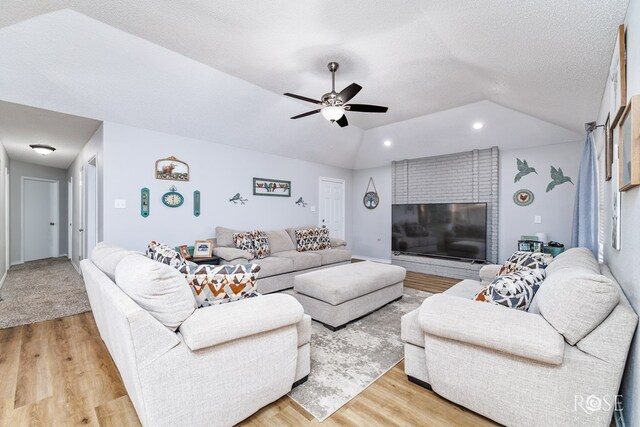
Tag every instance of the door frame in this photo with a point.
(7, 215)
(344, 207)
(56, 213)
(70, 218)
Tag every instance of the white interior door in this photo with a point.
(82, 242)
(39, 219)
(331, 206)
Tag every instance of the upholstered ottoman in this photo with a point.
(336, 296)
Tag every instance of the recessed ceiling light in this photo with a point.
(42, 149)
(478, 125)
(387, 143)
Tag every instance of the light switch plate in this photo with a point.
(312, 208)
(537, 219)
(120, 204)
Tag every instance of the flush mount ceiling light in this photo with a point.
(387, 143)
(332, 113)
(42, 149)
(478, 125)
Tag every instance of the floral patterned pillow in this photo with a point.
(514, 290)
(219, 284)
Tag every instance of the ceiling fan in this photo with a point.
(334, 104)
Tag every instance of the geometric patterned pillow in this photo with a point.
(219, 284)
(261, 248)
(514, 290)
(324, 242)
(164, 254)
(244, 241)
(308, 239)
(521, 260)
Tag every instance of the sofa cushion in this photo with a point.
(336, 243)
(521, 260)
(465, 289)
(514, 290)
(410, 330)
(232, 253)
(106, 257)
(219, 284)
(280, 241)
(301, 260)
(164, 254)
(574, 259)
(260, 242)
(272, 266)
(157, 288)
(575, 302)
(224, 236)
(335, 255)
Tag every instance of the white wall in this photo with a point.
(19, 170)
(372, 227)
(4, 164)
(555, 207)
(624, 263)
(92, 148)
(218, 171)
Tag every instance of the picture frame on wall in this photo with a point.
(608, 149)
(271, 187)
(629, 149)
(172, 169)
(618, 78)
(616, 198)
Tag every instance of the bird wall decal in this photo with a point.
(301, 202)
(523, 169)
(237, 198)
(558, 178)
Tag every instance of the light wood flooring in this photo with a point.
(59, 372)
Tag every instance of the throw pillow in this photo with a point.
(324, 242)
(219, 284)
(307, 239)
(260, 243)
(164, 254)
(521, 260)
(244, 241)
(514, 290)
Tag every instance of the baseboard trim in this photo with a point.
(76, 267)
(17, 262)
(368, 258)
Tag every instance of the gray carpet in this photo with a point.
(41, 290)
(345, 362)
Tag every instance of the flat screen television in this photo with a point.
(451, 230)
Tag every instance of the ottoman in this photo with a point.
(336, 296)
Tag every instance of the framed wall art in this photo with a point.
(608, 149)
(172, 169)
(271, 187)
(629, 140)
(618, 79)
(616, 199)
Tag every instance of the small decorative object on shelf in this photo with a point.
(238, 199)
(203, 249)
(371, 198)
(196, 203)
(523, 197)
(554, 248)
(184, 251)
(271, 187)
(144, 202)
(172, 169)
(300, 202)
(172, 198)
(629, 140)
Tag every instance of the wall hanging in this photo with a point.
(300, 202)
(172, 169)
(618, 79)
(237, 198)
(371, 198)
(271, 187)
(523, 197)
(144, 202)
(523, 170)
(196, 203)
(172, 198)
(629, 139)
(616, 198)
(557, 178)
(608, 148)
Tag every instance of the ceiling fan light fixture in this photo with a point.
(478, 125)
(332, 113)
(42, 149)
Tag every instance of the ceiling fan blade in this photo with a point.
(349, 92)
(365, 108)
(342, 121)
(308, 113)
(303, 98)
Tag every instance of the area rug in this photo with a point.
(41, 290)
(345, 362)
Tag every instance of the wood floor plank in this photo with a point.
(34, 372)
(10, 345)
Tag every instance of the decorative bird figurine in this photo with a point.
(558, 178)
(237, 198)
(301, 202)
(523, 169)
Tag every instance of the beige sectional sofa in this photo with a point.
(285, 262)
(559, 364)
(212, 366)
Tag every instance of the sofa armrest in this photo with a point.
(489, 272)
(229, 254)
(492, 326)
(336, 243)
(217, 324)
